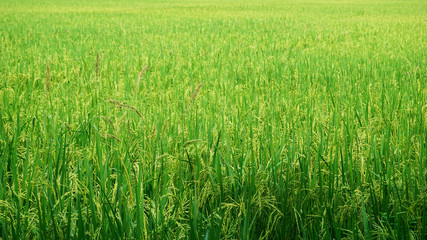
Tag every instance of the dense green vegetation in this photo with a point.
(212, 119)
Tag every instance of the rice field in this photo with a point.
(213, 119)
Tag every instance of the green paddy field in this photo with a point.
(213, 119)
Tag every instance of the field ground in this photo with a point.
(213, 119)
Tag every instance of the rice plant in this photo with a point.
(213, 119)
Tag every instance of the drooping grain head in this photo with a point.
(47, 79)
(196, 92)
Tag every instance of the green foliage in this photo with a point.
(213, 120)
